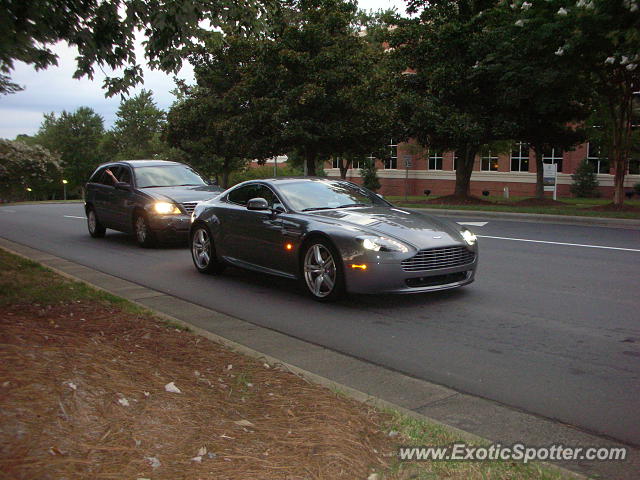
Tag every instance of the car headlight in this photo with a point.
(165, 208)
(382, 244)
(469, 236)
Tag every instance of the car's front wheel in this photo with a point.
(96, 230)
(322, 274)
(144, 235)
(203, 251)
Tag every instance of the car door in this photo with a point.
(120, 201)
(102, 187)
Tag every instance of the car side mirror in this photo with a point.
(122, 186)
(257, 204)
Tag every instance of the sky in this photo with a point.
(55, 90)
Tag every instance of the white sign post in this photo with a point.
(550, 176)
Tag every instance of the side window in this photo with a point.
(266, 193)
(97, 176)
(124, 175)
(242, 195)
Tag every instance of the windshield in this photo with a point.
(167, 176)
(323, 194)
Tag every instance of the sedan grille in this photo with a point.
(436, 258)
(189, 206)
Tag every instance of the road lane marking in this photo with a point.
(473, 224)
(561, 243)
(73, 216)
(6, 210)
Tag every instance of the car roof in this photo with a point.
(143, 163)
(298, 179)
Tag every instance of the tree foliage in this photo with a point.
(137, 131)
(104, 32)
(369, 174)
(76, 137)
(25, 166)
(585, 182)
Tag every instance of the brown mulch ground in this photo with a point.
(82, 396)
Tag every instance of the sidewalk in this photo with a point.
(468, 417)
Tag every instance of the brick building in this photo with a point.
(435, 171)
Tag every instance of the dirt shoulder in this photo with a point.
(94, 387)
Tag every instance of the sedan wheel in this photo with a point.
(96, 230)
(321, 271)
(203, 252)
(144, 236)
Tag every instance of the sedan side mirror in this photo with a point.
(122, 186)
(257, 204)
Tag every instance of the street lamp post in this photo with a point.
(64, 187)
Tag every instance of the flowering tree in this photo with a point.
(602, 39)
(23, 166)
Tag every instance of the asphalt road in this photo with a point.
(550, 328)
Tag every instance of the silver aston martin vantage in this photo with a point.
(331, 235)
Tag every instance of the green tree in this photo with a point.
(136, 133)
(76, 137)
(326, 83)
(585, 182)
(446, 101)
(104, 33)
(25, 166)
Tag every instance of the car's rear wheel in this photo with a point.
(96, 230)
(144, 235)
(322, 274)
(203, 251)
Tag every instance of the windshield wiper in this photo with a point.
(353, 205)
(316, 208)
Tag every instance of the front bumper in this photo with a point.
(389, 277)
(170, 227)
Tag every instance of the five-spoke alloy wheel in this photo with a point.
(322, 273)
(203, 252)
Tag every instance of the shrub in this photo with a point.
(585, 182)
(369, 174)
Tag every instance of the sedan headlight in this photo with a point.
(165, 208)
(382, 244)
(469, 236)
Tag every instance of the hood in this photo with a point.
(197, 193)
(417, 229)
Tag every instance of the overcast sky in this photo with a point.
(54, 89)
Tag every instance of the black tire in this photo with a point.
(96, 229)
(321, 271)
(203, 252)
(143, 233)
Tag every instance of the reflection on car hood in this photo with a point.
(183, 194)
(420, 230)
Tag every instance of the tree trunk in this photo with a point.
(464, 171)
(344, 166)
(619, 166)
(310, 160)
(225, 174)
(537, 149)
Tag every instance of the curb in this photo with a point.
(45, 260)
(537, 217)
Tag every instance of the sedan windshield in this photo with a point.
(322, 195)
(167, 176)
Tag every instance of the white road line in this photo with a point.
(73, 216)
(562, 243)
(473, 224)
(6, 210)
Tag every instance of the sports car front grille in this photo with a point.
(436, 258)
(189, 206)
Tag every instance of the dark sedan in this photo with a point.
(333, 236)
(153, 199)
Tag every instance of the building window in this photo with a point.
(553, 157)
(599, 163)
(435, 160)
(520, 157)
(489, 162)
(337, 163)
(391, 163)
(634, 166)
(455, 161)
